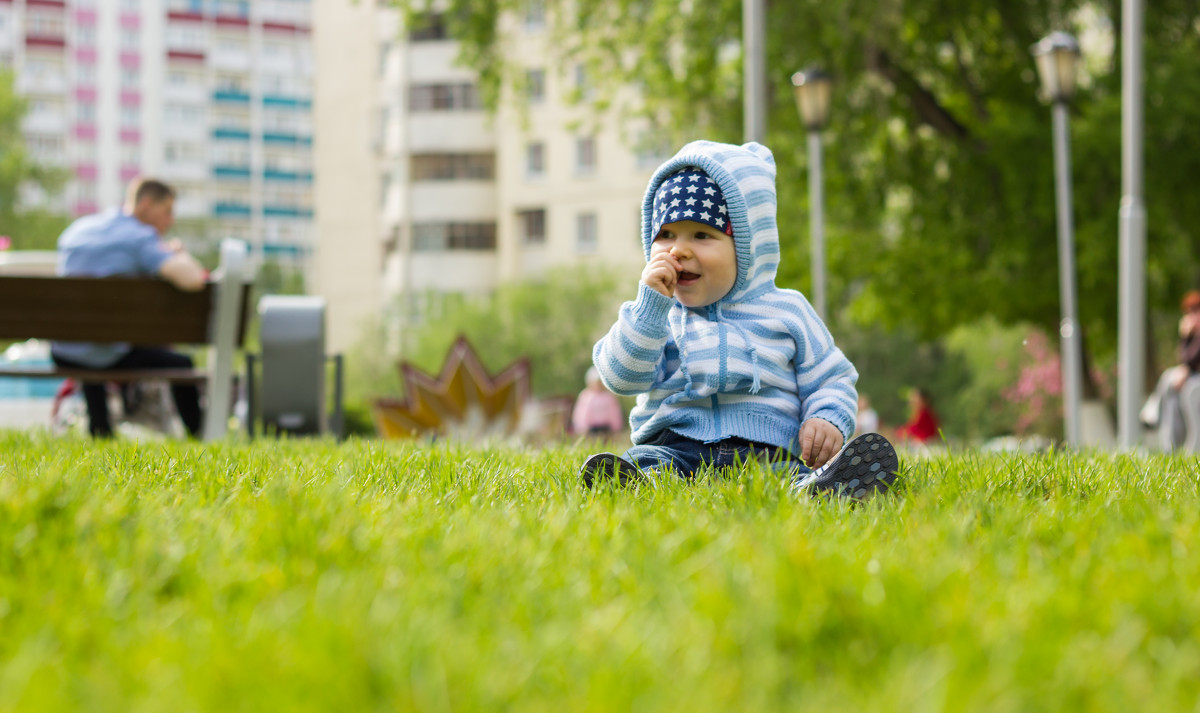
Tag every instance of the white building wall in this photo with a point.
(366, 258)
(349, 243)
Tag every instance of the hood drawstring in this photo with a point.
(756, 383)
(681, 342)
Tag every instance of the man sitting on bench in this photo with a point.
(129, 242)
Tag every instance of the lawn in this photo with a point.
(297, 576)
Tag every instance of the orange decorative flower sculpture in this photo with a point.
(463, 402)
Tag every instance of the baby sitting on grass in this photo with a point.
(726, 366)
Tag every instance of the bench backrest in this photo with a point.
(141, 311)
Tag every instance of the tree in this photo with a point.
(29, 228)
(939, 160)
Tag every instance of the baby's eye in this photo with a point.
(662, 235)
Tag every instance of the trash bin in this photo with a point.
(293, 363)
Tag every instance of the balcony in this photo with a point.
(231, 173)
(275, 174)
(281, 102)
(451, 131)
(231, 209)
(286, 211)
(231, 96)
(55, 83)
(232, 60)
(227, 133)
(286, 138)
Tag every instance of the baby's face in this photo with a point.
(708, 257)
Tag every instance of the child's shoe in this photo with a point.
(866, 466)
(607, 465)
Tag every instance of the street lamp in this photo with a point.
(813, 90)
(1057, 56)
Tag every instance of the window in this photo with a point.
(50, 149)
(131, 116)
(130, 77)
(532, 224)
(535, 86)
(444, 97)
(435, 237)
(130, 39)
(535, 14)
(85, 35)
(131, 154)
(583, 83)
(431, 26)
(585, 233)
(183, 78)
(184, 114)
(585, 155)
(38, 25)
(85, 111)
(179, 151)
(85, 73)
(448, 167)
(535, 160)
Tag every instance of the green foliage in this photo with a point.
(993, 355)
(308, 576)
(939, 158)
(890, 363)
(30, 229)
(554, 323)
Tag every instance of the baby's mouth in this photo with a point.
(687, 277)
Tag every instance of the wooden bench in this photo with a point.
(142, 312)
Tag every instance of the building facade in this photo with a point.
(465, 200)
(214, 96)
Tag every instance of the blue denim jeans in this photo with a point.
(687, 456)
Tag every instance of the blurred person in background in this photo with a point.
(923, 425)
(1178, 390)
(597, 411)
(128, 242)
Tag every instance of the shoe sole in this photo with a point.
(606, 465)
(867, 466)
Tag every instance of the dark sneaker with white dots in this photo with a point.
(866, 466)
(606, 465)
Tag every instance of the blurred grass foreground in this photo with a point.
(369, 576)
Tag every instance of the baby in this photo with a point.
(726, 366)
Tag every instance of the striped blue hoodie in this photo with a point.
(755, 364)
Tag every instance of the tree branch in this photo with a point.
(924, 103)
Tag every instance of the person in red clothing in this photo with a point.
(923, 425)
(597, 411)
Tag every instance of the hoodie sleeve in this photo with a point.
(627, 357)
(825, 378)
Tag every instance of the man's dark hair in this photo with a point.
(151, 188)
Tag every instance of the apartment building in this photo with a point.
(465, 200)
(214, 96)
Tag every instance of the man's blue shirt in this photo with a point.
(106, 244)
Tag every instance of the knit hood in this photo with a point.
(746, 176)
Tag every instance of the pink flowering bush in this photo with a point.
(1038, 389)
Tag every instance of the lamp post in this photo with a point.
(1057, 55)
(1132, 217)
(813, 91)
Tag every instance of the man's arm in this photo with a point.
(182, 270)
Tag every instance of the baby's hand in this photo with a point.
(820, 441)
(661, 273)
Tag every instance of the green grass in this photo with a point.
(301, 576)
